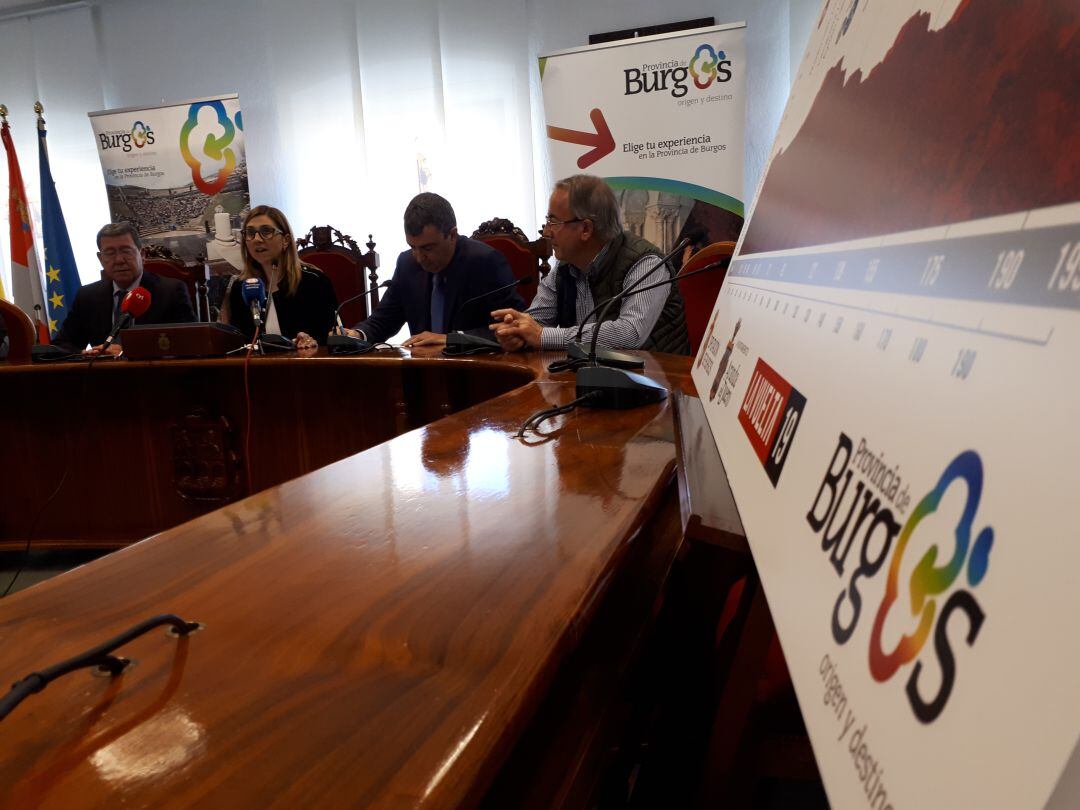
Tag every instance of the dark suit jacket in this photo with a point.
(310, 309)
(90, 319)
(474, 270)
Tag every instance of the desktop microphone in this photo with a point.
(347, 344)
(575, 352)
(618, 388)
(134, 305)
(254, 294)
(458, 343)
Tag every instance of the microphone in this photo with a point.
(575, 351)
(134, 305)
(347, 344)
(615, 387)
(458, 343)
(254, 294)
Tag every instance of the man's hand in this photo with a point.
(114, 350)
(350, 332)
(514, 330)
(305, 342)
(425, 339)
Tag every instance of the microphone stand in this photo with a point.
(459, 343)
(600, 386)
(340, 343)
(576, 355)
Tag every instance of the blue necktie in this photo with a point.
(438, 300)
(116, 307)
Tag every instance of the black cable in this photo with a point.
(478, 349)
(567, 364)
(96, 656)
(540, 417)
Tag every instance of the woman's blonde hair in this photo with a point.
(290, 260)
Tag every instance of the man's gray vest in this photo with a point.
(668, 335)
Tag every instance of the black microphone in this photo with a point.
(599, 386)
(458, 343)
(578, 356)
(681, 246)
(341, 343)
(576, 352)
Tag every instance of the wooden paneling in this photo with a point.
(135, 438)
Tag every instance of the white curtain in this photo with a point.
(350, 106)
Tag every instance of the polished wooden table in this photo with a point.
(445, 618)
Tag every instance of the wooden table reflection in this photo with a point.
(384, 618)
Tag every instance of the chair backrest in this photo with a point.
(20, 333)
(161, 261)
(525, 258)
(339, 257)
(699, 293)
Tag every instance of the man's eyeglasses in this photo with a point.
(555, 222)
(112, 253)
(265, 231)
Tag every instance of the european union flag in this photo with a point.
(61, 274)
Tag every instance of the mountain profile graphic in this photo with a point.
(976, 119)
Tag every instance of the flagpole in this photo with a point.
(3, 122)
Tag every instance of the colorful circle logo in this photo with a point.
(703, 65)
(139, 134)
(214, 147)
(928, 580)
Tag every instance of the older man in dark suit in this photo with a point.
(97, 306)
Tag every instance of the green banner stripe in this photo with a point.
(706, 195)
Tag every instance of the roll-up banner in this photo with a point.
(891, 379)
(178, 173)
(661, 119)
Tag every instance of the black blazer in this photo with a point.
(474, 270)
(310, 309)
(90, 319)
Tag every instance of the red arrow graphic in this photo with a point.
(601, 141)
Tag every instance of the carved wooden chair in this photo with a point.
(161, 261)
(339, 257)
(20, 333)
(526, 258)
(699, 293)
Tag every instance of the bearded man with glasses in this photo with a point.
(597, 259)
(96, 307)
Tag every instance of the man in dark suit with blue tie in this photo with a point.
(96, 307)
(436, 277)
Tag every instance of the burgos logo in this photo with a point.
(707, 66)
(858, 536)
(929, 581)
(214, 146)
(141, 135)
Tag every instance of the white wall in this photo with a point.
(340, 96)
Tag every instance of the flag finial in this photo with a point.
(38, 108)
(3, 112)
